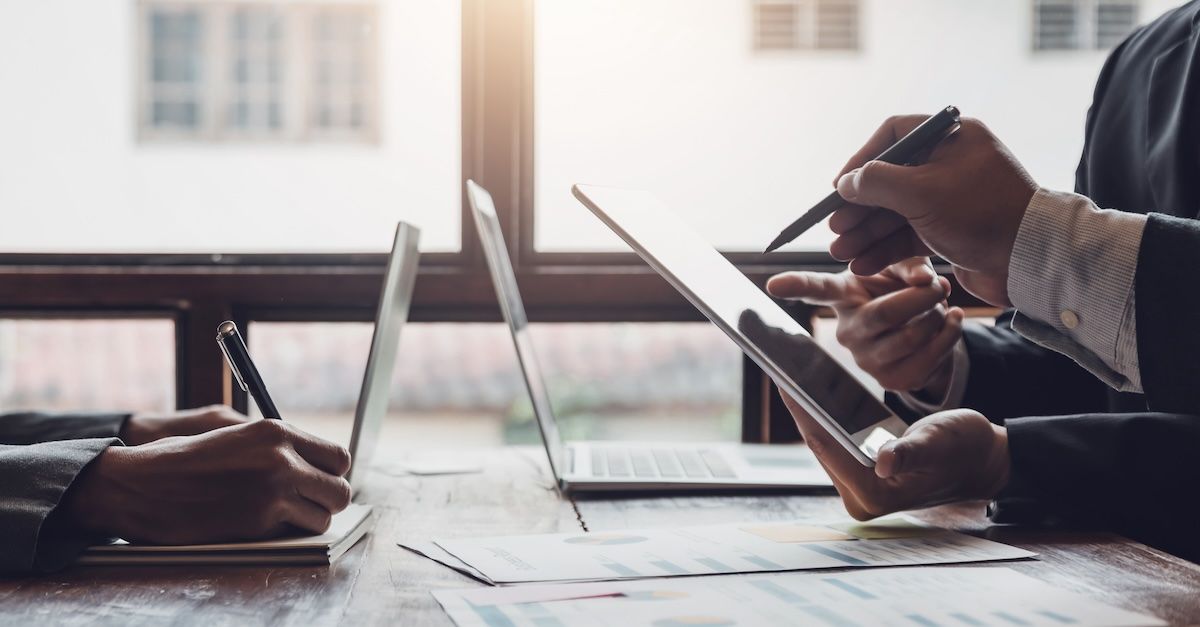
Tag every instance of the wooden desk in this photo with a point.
(379, 583)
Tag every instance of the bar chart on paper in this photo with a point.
(898, 596)
(709, 550)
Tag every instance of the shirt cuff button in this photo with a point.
(1069, 318)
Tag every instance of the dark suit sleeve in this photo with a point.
(1011, 376)
(34, 427)
(1168, 338)
(33, 479)
(1130, 473)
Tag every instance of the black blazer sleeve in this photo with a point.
(1011, 376)
(1168, 337)
(33, 427)
(33, 480)
(1130, 473)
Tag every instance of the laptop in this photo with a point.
(583, 466)
(394, 301)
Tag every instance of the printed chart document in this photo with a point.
(346, 529)
(893, 596)
(709, 550)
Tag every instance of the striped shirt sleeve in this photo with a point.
(1071, 278)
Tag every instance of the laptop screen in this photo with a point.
(505, 281)
(394, 301)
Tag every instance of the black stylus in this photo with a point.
(903, 152)
(244, 370)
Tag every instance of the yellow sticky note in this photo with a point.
(792, 533)
(886, 528)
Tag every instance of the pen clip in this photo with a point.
(232, 366)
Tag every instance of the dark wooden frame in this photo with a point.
(200, 291)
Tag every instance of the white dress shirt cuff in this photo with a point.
(960, 369)
(1071, 278)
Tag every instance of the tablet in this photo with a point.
(751, 318)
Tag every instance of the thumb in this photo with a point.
(915, 451)
(881, 184)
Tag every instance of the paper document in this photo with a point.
(346, 529)
(708, 550)
(894, 596)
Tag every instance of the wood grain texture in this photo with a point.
(378, 583)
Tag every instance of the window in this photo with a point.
(296, 71)
(311, 126)
(175, 90)
(87, 364)
(257, 85)
(342, 92)
(806, 24)
(223, 151)
(606, 381)
(1082, 24)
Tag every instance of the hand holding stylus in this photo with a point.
(965, 203)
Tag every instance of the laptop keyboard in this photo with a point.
(661, 463)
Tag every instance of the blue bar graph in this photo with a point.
(674, 569)
(762, 562)
(715, 565)
(852, 589)
(1010, 618)
(827, 616)
(493, 616)
(621, 569)
(540, 615)
(837, 555)
(777, 591)
(1055, 616)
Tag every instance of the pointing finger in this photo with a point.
(815, 288)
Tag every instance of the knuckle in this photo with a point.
(867, 364)
(857, 512)
(844, 335)
(343, 495)
(868, 171)
(913, 336)
(272, 431)
(323, 521)
(268, 518)
(343, 459)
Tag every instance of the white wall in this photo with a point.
(669, 95)
(73, 176)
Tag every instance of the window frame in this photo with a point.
(201, 290)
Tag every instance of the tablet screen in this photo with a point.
(764, 331)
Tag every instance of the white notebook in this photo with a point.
(347, 528)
